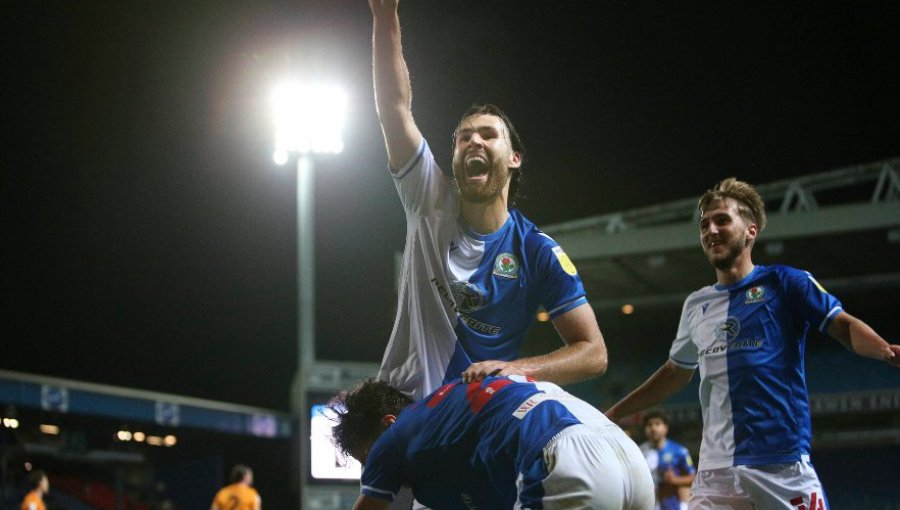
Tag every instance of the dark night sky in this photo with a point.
(149, 240)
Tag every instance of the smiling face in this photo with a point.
(725, 235)
(483, 158)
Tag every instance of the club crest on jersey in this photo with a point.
(468, 296)
(506, 266)
(755, 295)
(564, 261)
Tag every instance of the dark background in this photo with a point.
(149, 241)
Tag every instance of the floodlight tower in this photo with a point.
(308, 120)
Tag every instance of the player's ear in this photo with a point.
(388, 420)
(752, 232)
(515, 160)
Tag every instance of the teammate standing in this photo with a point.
(747, 335)
(474, 271)
(671, 464)
(501, 443)
(38, 485)
(240, 494)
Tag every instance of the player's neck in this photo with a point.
(484, 218)
(659, 444)
(739, 270)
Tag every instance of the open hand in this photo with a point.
(482, 369)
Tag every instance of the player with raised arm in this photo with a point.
(747, 336)
(474, 271)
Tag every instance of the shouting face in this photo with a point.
(483, 158)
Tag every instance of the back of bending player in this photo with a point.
(501, 443)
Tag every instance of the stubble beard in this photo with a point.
(725, 261)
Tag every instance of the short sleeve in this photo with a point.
(686, 462)
(381, 477)
(559, 286)
(811, 300)
(421, 183)
(684, 351)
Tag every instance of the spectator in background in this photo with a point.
(240, 495)
(671, 464)
(38, 485)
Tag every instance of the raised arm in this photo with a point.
(583, 356)
(665, 382)
(393, 93)
(858, 337)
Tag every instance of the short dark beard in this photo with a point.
(482, 193)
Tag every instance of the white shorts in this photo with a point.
(594, 468)
(792, 486)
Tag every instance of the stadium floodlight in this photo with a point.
(308, 118)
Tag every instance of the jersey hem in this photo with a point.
(559, 310)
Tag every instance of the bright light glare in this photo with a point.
(139, 436)
(11, 423)
(50, 430)
(123, 435)
(543, 316)
(154, 440)
(308, 118)
(170, 440)
(280, 157)
(628, 309)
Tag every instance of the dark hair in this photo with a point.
(515, 180)
(656, 413)
(750, 204)
(239, 471)
(35, 477)
(360, 411)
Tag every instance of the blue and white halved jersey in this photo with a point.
(749, 340)
(466, 445)
(466, 297)
(672, 456)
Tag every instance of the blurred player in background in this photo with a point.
(671, 464)
(38, 486)
(747, 335)
(240, 494)
(502, 443)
